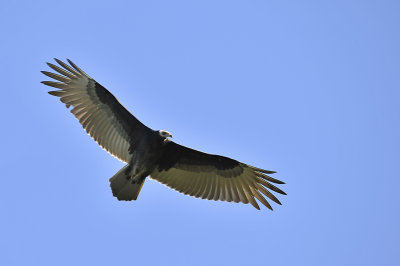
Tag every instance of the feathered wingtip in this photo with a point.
(67, 72)
(263, 173)
(263, 182)
(64, 75)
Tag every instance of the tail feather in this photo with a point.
(123, 187)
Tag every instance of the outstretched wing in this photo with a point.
(98, 111)
(214, 177)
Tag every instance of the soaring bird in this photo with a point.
(148, 152)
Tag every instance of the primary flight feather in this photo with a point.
(150, 152)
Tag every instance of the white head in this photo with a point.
(164, 134)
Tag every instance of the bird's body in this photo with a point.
(145, 157)
(143, 161)
(150, 152)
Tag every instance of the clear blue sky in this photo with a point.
(310, 89)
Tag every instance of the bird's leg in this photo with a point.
(138, 178)
(134, 172)
(131, 170)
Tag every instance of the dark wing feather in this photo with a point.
(99, 112)
(214, 177)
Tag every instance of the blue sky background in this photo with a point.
(307, 88)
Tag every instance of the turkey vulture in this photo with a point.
(150, 152)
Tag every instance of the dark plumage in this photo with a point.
(150, 153)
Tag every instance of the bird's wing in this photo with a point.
(214, 177)
(98, 111)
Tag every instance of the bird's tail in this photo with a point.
(123, 187)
